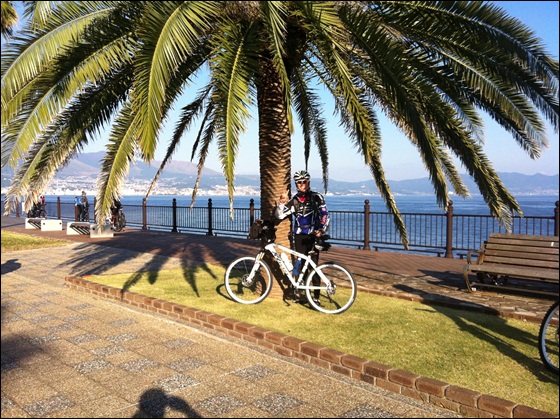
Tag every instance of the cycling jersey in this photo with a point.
(310, 212)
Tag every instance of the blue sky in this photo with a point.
(400, 159)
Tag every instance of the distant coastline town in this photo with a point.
(179, 178)
(73, 186)
(138, 187)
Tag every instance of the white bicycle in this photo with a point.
(329, 287)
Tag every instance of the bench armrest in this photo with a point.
(473, 253)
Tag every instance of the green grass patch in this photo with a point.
(16, 241)
(484, 353)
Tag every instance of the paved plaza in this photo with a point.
(70, 354)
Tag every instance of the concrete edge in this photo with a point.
(440, 394)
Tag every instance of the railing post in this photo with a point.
(209, 232)
(251, 211)
(449, 235)
(144, 214)
(76, 211)
(366, 224)
(58, 207)
(174, 229)
(556, 220)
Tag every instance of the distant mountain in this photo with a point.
(517, 184)
(182, 175)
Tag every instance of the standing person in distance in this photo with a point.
(84, 213)
(78, 204)
(311, 217)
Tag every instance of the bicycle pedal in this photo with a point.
(316, 301)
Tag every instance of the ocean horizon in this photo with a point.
(531, 205)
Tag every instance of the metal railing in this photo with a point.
(447, 234)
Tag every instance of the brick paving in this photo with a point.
(79, 355)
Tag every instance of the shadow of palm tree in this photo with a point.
(201, 253)
(16, 348)
(469, 321)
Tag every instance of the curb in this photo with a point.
(457, 399)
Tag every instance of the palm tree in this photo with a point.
(9, 19)
(78, 67)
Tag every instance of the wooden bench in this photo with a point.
(515, 262)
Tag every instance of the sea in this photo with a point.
(531, 205)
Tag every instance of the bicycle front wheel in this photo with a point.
(335, 296)
(248, 280)
(548, 339)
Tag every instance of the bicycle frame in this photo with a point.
(249, 279)
(298, 284)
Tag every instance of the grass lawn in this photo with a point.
(16, 241)
(480, 352)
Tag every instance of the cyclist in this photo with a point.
(39, 208)
(117, 223)
(35, 210)
(311, 217)
(116, 207)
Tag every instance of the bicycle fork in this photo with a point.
(249, 278)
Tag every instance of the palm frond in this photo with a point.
(121, 151)
(32, 51)
(308, 108)
(170, 33)
(233, 65)
(189, 113)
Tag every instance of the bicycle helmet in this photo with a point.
(301, 175)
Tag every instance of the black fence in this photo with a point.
(446, 234)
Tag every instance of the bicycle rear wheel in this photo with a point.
(337, 295)
(548, 339)
(248, 280)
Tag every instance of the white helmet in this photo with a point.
(301, 175)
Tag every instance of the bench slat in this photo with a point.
(522, 237)
(498, 269)
(517, 248)
(521, 255)
(521, 244)
(533, 263)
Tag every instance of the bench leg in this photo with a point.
(467, 281)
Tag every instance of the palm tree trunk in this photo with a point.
(274, 153)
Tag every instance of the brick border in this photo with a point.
(465, 402)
